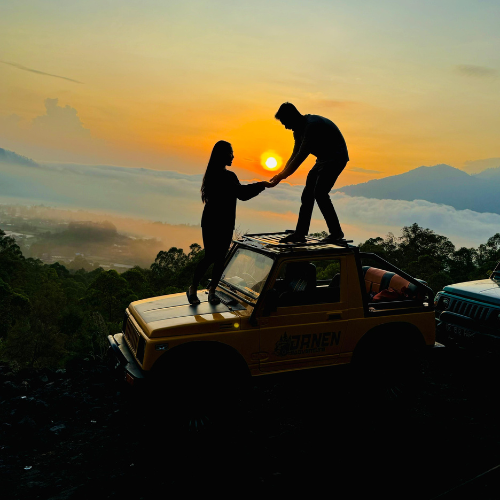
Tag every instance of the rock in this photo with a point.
(57, 429)
(10, 387)
(27, 424)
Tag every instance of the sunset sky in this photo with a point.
(156, 83)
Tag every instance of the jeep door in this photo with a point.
(310, 321)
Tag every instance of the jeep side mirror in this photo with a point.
(270, 302)
(495, 275)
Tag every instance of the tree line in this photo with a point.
(50, 315)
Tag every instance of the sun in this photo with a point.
(270, 160)
(271, 163)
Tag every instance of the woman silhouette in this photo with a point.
(219, 191)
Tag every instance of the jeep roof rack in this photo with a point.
(271, 241)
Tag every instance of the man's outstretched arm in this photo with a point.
(291, 166)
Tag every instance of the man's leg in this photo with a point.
(306, 208)
(324, 184)
(305, 212)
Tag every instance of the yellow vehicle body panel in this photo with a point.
(288, 338)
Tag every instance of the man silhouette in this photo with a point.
(320, 137)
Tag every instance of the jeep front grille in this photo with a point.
(476, 312)
(135, 339)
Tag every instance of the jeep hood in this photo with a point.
(483, 290)
(174, 311)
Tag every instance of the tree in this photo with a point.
(12, 306)
(417, 241)
(173, 267)
(11, 256)
(35, 339)
(80, 262)
(109, 294)
(138, 281)
(490, 252)
(463, 264)
(9, 247)
(387, 248)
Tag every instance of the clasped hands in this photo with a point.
(274, 181)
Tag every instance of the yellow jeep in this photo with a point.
(283, 307)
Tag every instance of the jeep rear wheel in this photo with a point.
(387, 372)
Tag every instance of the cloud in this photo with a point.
(476, 71)
(24, 68)
(363, 170)
(59, 133)
(59, 120)
(463, 227)
(174, 198)
(477, 166)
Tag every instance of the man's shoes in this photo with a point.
(213, 299)
(333, 238)
(193, 298)
(294, 238)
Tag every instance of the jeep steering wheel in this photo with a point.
(253, 280)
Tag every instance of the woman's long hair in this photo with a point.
(216, 164)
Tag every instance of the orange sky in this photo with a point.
(157, 84)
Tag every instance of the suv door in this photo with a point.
(310, 322)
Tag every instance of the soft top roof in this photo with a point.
(269, 243)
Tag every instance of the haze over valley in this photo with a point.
(163, 208)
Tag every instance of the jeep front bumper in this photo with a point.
(123, 359)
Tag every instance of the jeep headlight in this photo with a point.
(436, 298)
(441, 302)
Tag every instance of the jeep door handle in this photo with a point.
(334, 316)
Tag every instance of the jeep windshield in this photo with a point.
(247, 272)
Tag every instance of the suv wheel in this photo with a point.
(200, 398)
(387, 373)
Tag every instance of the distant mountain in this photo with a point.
(438, 184)
(491, 174)
(7, 156)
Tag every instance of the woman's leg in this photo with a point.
(220, 252)
(200, 270)
(208, 259)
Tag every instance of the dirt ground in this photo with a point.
(81, 433)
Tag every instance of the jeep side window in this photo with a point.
(308, 282)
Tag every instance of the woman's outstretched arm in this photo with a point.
(246, 192)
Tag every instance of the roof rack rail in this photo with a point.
(272, 241)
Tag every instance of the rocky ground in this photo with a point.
(82, 432)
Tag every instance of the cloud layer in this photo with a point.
(476, 71)
(174, 198)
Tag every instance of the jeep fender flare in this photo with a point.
(391, 336)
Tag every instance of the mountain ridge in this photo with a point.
(442, 184)
(11, 157)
